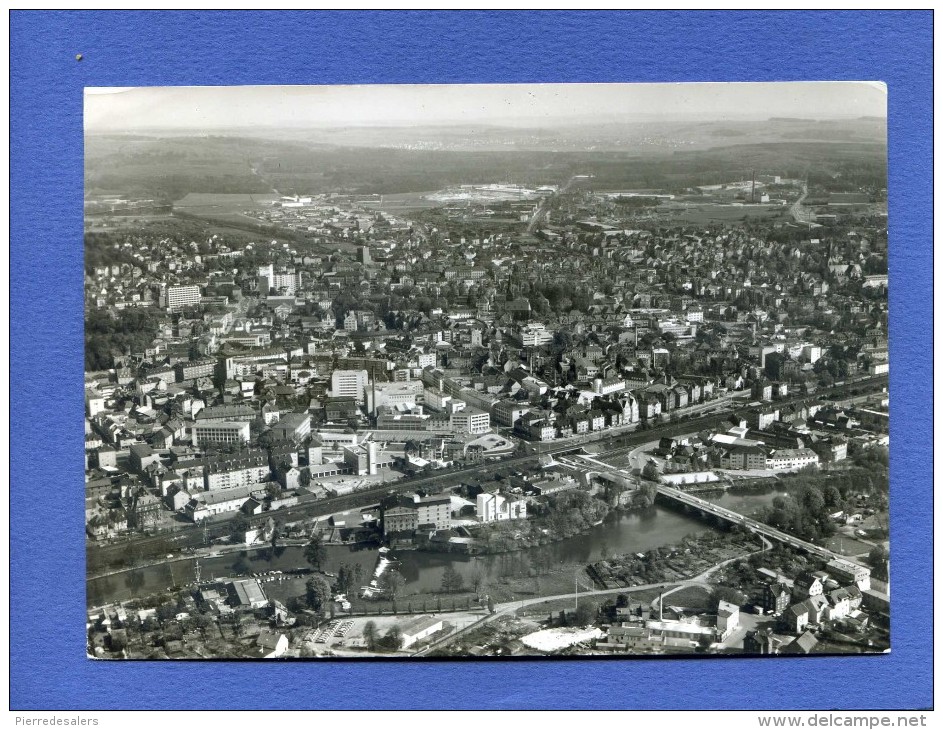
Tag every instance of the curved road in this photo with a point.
(503, 609)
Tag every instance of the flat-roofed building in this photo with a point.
(507, 412)
(471, 420)
(194, 369)
(179, 297)
(404, 394)
(221, 432)
(349, 384)
(848, 573)
(241, 470)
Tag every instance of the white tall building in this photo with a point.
(349, 384)
(178, 297)
(288, 281)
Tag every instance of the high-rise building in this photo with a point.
(286, 281)
(179, 297)
(349, 384)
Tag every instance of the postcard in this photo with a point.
(468, 371)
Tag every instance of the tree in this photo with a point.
(276, 530)
(879, 558)
(478, 579)
(118, 640)
(315, 552)
(343, 578)
(585, 613)
(394, 638)
(392, 581)
(238, 526)
(650, 471)
(831, 495)
(317, 593)
(370, 635)
(166, 611)
(452, 580)
(728, 594)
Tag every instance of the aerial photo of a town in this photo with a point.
(486, 371)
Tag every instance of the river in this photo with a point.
(621, 532)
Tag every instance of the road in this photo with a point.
(542, 209)
(796, 210)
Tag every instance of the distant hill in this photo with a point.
(400, 160)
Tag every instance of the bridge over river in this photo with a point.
(702, 506)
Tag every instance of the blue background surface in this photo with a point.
(48, 665)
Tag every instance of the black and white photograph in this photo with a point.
(477, 371)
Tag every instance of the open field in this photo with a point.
(225, 207)
(696, 597)
(224, 202)
(402, 202)
(704, 214)
(848, 545)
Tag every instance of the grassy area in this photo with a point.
(847, 545)
(696, 597)
(704, 214)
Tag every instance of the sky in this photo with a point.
(233, 107)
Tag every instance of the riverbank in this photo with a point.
(622, 532)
